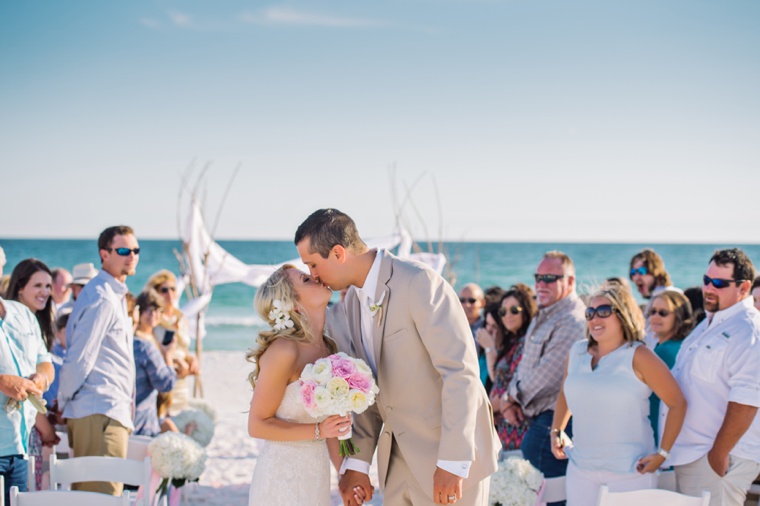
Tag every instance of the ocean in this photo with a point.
(232, 323)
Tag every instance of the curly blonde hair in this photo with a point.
(278, 287)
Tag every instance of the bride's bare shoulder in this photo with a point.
(283, 351)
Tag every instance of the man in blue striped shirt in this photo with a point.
(97, 384)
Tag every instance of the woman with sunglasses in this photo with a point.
(670, 319)
(174, 327)
(512, 317)
(608, 381)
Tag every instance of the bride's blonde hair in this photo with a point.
(278, 287)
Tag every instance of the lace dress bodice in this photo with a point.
(292, 473)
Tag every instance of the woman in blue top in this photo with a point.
(670, 318)
(153, 375)
(608, 381)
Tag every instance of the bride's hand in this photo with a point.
(334, 426)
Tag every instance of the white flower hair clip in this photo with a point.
(280, 315)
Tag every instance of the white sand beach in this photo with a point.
(232, 453)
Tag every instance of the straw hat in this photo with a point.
(83, 273)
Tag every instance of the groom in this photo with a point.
(432, 423)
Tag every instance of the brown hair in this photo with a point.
(524, 296)
(654, 265)
(20, 276)
(626, 310)
(681, 308)
(326, 228)
(106, 236)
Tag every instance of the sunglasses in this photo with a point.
(511, 309)
(467, 300)
(603, 311)
(124, 252)
(167, 289)
(662, 312)
(548, 278)
(719, 283)
(641, 271)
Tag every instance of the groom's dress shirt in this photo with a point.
(366, 295)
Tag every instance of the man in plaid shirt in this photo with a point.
(533, 391)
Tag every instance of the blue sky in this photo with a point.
(530, 120)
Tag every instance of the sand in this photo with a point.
(232, 452)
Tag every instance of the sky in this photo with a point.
(499, 120)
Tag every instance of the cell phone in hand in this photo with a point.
(168, 338)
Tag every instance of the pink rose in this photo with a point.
(334, 358)
(307, 393)
(343, 368)
(360, 382)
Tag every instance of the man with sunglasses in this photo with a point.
(647, 272)
(98, 374)
(718, 369)
(472, 299)
(534, 389)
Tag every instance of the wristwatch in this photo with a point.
(664, 453)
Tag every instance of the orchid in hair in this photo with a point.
(280, 315)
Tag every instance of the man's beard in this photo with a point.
(712, 307)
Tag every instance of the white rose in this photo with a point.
(322, 371)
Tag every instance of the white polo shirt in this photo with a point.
(718, 362)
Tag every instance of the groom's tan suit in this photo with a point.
(431, 404)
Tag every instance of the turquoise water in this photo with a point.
(232, 323)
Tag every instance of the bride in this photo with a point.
(293, 467)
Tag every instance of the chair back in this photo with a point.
(137, 448)
(650, 497)
(67, 471)
(67, 498)
(553, 490)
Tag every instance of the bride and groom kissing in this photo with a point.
(431, 425)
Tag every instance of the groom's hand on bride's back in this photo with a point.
(355, 488)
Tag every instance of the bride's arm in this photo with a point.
(333, 447)
(277, 366)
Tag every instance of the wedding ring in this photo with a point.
(451, 498)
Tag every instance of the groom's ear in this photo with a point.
(339, 252)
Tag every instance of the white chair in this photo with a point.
(2, 490)
(67, 471)
(68, 498)
(553, 490)
(650, 497)
(137, 448)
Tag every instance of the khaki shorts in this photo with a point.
(98, 436)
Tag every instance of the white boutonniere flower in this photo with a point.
(377, 307)
(280, 315)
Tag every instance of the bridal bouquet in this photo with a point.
(516, 483)
(337, 385)
(176, 457)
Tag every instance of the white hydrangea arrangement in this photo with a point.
(176, 457)
(204, 424)
(516, 483)
(203, 406)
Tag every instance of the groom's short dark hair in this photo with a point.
(327, 227)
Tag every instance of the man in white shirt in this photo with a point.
(718, 369)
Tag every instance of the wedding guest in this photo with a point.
(493, 294)
(514, 314)
(81, 275)
(647, 272)
(671, 320)
(755, 292)
(697, 303)
(533, 391)
(174, 327)
(719, 447)
(153, 374)
(472, 299)
(58, 353)
(30, 285)
(487, 336)
(98, 373)
(26, 370)
(61, 292)
(608, 381)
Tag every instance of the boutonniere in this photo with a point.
(377, 308)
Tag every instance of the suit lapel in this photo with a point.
(353, 316)
(382, 292)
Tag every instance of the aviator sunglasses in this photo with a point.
(468, 300)
(641, 271)
(167, 289)
(603, 311)
(511, 309)
(662, 312)
(123, 252)
(548, 278)
(719, 283)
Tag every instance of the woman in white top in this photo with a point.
(608, 381)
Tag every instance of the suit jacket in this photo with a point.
(431, 400)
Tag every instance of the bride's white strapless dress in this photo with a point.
(291, 473)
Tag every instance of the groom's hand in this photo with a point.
(348, 482)
(445, 485)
